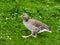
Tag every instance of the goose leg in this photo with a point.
(26, 36)
(35, 35)
(32, 34)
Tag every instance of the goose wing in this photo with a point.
(38, 24)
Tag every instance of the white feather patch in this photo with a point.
(44, 30)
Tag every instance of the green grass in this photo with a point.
(12, 28)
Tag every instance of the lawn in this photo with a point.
(12, 28)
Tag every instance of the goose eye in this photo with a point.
(23, 15)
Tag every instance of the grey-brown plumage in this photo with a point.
(34, 26)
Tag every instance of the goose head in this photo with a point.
(24, 16)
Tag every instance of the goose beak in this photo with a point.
(20, 16)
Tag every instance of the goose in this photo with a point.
(34, 26)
